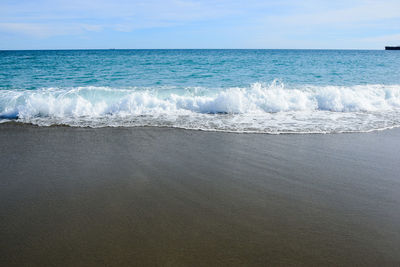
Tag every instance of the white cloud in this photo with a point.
(40, 30)
(53, 18)
(254, 23)
(343, 15)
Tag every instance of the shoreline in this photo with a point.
(166, 196)
(25, 124)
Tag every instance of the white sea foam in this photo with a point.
(259, 108)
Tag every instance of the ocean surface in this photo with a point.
(261, 91)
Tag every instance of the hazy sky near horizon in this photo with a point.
(58, 24)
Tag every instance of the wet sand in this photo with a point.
(170, 197)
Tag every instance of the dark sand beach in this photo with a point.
(170, 197)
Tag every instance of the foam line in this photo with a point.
(256, 108)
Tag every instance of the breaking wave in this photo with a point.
(261, 108)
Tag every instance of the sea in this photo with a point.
(241, 91)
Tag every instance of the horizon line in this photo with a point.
(72, 49)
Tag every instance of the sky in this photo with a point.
(283, 24)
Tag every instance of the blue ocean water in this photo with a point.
(265, 91)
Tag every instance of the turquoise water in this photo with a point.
(266, 91)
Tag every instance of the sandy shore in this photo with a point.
(169, 197)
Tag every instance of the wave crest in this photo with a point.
(257, 108)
